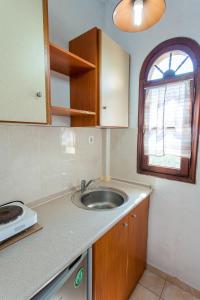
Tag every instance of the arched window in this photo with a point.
(169, 104)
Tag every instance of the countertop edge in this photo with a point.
(66, 192)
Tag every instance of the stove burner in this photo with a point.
(9, 213)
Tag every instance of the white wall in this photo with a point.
(174, 224)
(70, 18)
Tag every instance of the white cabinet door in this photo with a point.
(114, 84)
(22, 61)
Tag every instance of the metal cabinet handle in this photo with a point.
(39, 94)
(104, 107)
(134, 216)
(125, 225)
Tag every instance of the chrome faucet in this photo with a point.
(84, 185)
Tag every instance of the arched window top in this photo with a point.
(171, 64)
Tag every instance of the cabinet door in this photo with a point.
(110, 264)
(137, 244)
(114, 83)
(22, 62)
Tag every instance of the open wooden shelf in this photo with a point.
(67, 63)
(70, 112)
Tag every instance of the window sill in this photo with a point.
(187, 179)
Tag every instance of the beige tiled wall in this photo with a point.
(39, 161)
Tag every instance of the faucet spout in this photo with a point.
(84, 185)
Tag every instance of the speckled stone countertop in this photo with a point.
(68, 231)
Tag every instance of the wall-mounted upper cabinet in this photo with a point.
(23, 93)
(114, 83)
(105, 89)
(98, 69)
(99, 80)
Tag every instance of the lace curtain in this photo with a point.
(167, 120)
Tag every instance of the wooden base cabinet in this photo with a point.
(137, 244)
(110, 263)
(119, 257)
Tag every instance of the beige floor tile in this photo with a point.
(152, 282)
(140, 293)
(172, 292)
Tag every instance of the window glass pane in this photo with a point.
(179, 62)
(167, 119)
(187, 67)
(167, 161)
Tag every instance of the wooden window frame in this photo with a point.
(187, 172)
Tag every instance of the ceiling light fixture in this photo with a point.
(138, 15)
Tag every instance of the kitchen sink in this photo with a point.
(100, 199)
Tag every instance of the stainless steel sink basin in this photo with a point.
(100, 199)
